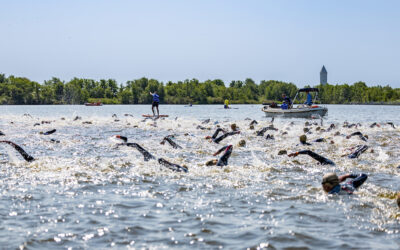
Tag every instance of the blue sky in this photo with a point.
(176, 40)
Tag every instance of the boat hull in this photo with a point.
(296, 112)
(93, 104)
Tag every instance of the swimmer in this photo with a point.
(253, 122)
(171, 142)
(352, 125)
(223, 160)
(315, 156)
(201, 127)
(48, 132)
(216, 139)
(332, 126)
(25, 155)
(331, 183)
(147, 156)
(234, 127)
(359, 150)
(362, 137)
(270, 137)
(262, 131)
(391, 124)
(206, 121)
(172, 166)
(374, 124)
(124, 138)
(303, 140)
(1, 133)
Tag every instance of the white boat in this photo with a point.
(298, 111)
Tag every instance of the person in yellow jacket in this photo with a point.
(226, 104)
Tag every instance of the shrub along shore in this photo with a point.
(21, 90)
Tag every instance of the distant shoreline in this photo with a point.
(203, 104)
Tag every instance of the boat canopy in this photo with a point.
(309, 90)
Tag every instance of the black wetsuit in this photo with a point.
(171, 142)
(262, 131)
(359, 150)
(350, 186)
(315, 156)
(172, 166)
(374, 124)
(391, 124)
(147, 156)
(253, 122)
(26, 156)
(223, 160)
(362, 137)
(219, 139)
(216, 133)
(50, 132)
(270, 137)
(332, 126)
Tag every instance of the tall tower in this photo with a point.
(323, 76)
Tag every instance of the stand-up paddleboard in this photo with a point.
(152, 116)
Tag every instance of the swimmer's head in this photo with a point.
(303, 139)
(242, 143)
(233, 127)
(124, 138)
(211, 162)
(329, 181)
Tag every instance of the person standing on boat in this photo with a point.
(309, 99)
(287, 103)
(156, 101)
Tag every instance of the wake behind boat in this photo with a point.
(299, 111)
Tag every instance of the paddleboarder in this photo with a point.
(156, 101)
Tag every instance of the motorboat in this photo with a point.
(93, 104)
(298, 111)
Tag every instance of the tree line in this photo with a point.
(21, 90)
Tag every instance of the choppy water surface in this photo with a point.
(85, 192)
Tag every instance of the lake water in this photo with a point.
(85, 192)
